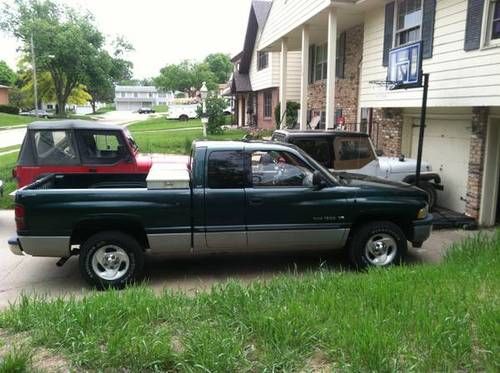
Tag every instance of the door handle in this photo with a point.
(255, 202)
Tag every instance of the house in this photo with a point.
(4, 95)
(134, 97)
(255, 81)
(461, 52)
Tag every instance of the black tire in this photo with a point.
(183, 118)
(116, 239)
(357, 248)
(429, 189)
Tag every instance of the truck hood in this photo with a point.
(377, 184)
(407, 166)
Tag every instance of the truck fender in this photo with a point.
(435, 178)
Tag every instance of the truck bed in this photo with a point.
(89, 181)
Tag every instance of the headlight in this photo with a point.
(423, 212)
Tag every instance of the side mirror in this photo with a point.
(379, 152)
(318, 180)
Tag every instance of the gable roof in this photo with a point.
(256, 20)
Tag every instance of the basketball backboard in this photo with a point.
(405, 66)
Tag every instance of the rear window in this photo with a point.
(352, 153)
(101, 147)
(55, 148)
(319, 149)
(226, 170)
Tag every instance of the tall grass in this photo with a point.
(410, 318)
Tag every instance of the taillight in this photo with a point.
(19, 212)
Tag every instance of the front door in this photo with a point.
(284, 210)
(225, 201)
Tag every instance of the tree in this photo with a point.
(64, 41)
(7, 75)
(215, 113)
(220, 65)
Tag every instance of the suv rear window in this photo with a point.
(319, 149)
(55, 148)
(101, 147)
(352, 153)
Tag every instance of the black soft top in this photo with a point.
(318, 133)
(72, 124)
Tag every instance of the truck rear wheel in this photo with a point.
(111, 260)
(377, 244)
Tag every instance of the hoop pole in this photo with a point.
(423, 113)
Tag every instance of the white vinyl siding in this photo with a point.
(457, 77)
(297, 12)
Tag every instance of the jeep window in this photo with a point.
(352, 153)
(226, 170)
(54, 148)
(279, 169)
(319, 149)
(101, 147)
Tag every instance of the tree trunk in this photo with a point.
(61, 102)
(93, 103)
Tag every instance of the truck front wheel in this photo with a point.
(377, 244)
(111, 260)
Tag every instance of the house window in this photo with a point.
(135, 94)
(495, 19)
(50, 107)
(321, 62)
(123, 94)
(262, 60)
(150, 95)
(268, 104)
(408, 21)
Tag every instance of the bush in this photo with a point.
(292, 114)
(215, 112)
(9, 109)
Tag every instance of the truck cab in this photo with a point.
(76, 146)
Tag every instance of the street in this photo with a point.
(28, 275)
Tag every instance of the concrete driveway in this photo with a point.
(28, 275)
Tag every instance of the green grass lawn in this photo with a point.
(156, 124)
(7, 120)
(105, 109)
(409, 318)
(8, 148)
(7, 163)
(160, 108)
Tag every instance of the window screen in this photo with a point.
(55, 148)
(268, 104)
(352, 153)
(226, 170)
(408, 21)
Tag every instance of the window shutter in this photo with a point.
(428, 17)
(312, 50)
(340, 64)
(473, 24)
(388, 31)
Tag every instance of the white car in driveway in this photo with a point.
(182, 112)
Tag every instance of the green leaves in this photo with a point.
(7, 75)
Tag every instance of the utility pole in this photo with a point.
(35, 84)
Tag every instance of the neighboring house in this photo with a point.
(255, 80)
(134, 97)
(4, 95)
(77, 109)
(461, 48)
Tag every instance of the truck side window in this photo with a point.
(101, 147)
(272, 168)
(319, 149)
(55, 148)
(226, 170)
(352, 152)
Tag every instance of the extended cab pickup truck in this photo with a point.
(234, 197)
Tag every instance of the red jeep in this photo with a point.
(76, 146)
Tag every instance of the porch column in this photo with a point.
(331, 64)
(283, 77)
(240, 111)
(304, 81)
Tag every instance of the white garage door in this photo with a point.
(446, 148)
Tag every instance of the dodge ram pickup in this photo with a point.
(240, 196)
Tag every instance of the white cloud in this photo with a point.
(162, 31)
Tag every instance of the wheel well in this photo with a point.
(183, 117)
(410, 179)
(86, 229)
(404, 224)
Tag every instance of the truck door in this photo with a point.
(225, 201)
(285, 212)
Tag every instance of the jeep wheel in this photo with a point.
(111, 260)
(377, 244)
(429, 189)
(183, 118)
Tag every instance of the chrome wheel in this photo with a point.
(110, 262)
(381, 249)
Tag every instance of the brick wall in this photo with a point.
(476, 160)
(387, 129)
(346, 89)
(4, 96)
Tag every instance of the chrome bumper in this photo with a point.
(15, 246)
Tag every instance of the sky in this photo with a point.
(161, 31)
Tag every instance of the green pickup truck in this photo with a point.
(234, 197)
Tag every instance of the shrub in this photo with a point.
(215, 112)
(9, 109)
(292, 114)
